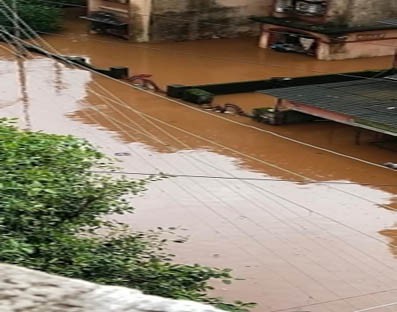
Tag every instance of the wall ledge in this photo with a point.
(25, 290)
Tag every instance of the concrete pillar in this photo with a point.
(323, 51)
(94, 5)
(140, 11)
(264, 39)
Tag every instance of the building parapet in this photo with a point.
(23, 289)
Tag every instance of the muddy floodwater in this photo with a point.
(303, 215)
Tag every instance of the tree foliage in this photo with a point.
(52, 209)
(40, 15)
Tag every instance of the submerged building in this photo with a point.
(330, 29)
(155, 20)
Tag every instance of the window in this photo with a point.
(311, 7)
(283, 6)
(305, 7)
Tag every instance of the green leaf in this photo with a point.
(52, 218)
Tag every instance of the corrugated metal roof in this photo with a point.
(367, 101)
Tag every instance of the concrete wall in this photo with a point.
(198, 19)
(93, 5)
(33, 291)
(353, 12)
(140, 11)
(358, 45)
(338, 12)
(366, 12)
(156, 20)
(360, 12)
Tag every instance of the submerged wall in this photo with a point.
(140, 12)
(200, 19)
(350, 12)
(156, 20)
(367, 12)
(360, 12)
(27, 290)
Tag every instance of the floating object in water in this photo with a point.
(144, 81)
(198, 96)
(390, 165)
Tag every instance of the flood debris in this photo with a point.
(390, 165)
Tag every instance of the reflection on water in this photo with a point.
(24, 93)
(391, 234)
(295, 243)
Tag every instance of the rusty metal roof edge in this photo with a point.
(354, 123)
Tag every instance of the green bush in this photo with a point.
(52, 208)
(40, 16)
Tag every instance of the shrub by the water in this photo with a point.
(52, 205)
(39, 15)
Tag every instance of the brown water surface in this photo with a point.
(300, 246)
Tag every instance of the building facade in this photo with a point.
(330, 29)
(156, 20)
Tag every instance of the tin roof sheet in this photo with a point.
(369, 101)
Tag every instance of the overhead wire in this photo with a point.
(333, 301)
(267, 163)
(377, 307)
(333, 220)
(6, 49)
(62, 3)
(227, 220)
(247, 198)
(178, 19)
(243, 154)
(217, 213)
(145, 90)
(310, 211)
(235, 60)
(350, 227)
(269, 250)
(140, 129)
(176, 175)
(173, 18)
(5, 39)
(192, 211)
(272, 65)
(271, 132)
